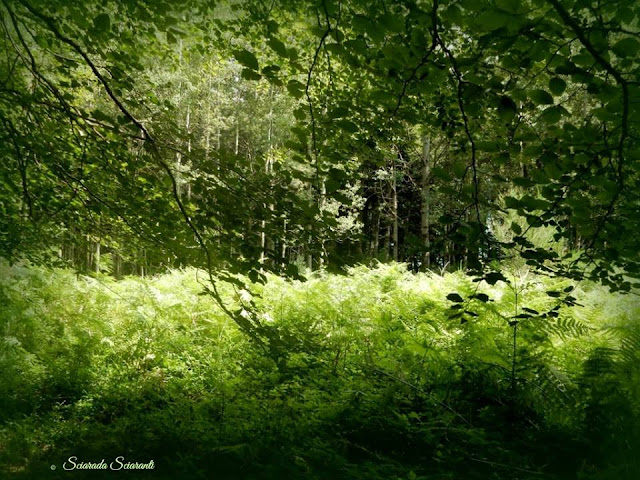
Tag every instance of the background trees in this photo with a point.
(143, 136)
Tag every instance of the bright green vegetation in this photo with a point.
(377, 381)
(169, 168)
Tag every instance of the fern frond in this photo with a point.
(567, 327)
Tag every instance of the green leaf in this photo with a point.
(553, 115)
(492, 20)
(523, 182)
(270, 70)
(338, 112)
(392, 23)
(483, 297)
(454, 297)
(102, 22)
(567, 68)
(278, 47)
(532, 255)
(254, 276)
(540, 97)
(295, 88)
(347, 125)
(487, 146)
(532, 203)
(627, 47)
(101, 116)
(441, 173)
(507, 109)
(292, 270)
(246, 58)
(491, 356)
(557, 86)
(553, 170)
(517, 229)
(250, 74)
(494, 277)
(512, 202)
(272, 26)
(511, 6)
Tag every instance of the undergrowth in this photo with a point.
(386, 384)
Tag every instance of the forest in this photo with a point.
(320, 239)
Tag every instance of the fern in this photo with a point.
(393, 376)
(567, 326)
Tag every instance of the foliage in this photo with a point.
(243, 137)
(379, 381)
(224, 147)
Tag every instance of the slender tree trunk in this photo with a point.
(143, 263)
(284, 241)
(394, 209)
(88, 252)
(207, 134)
(97, 257)
(264, 244)
(178, 153)
(188, 125)
(323, 195)
(237, 147)
(71, 250)
(310, 238)
(268, 244)
(309, 260)
(218, 126)
(426, 200)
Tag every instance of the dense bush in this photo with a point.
(380, 382)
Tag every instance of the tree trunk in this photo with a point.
(322, 199)
(96, 259)
(88, 252)
(188, 125)
(426, 200)
(309, 261)
(207, 134)
(117, 264)
(394, 209)
(284, 241)
(237, 147)
(268, 244)
(143, 263)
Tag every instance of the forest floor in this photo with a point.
(375, 378)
